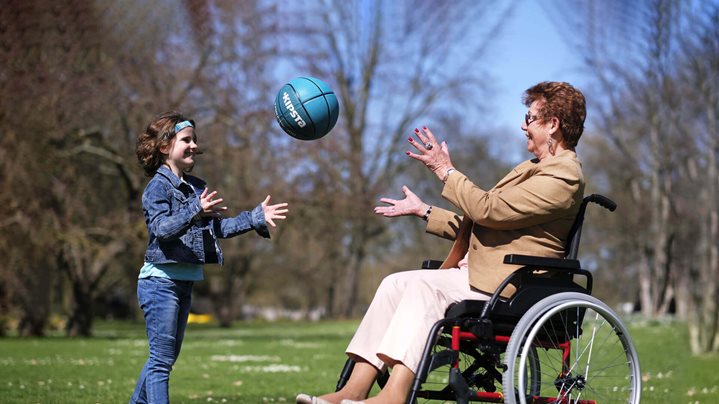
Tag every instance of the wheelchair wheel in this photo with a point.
(532, 371)
(583, 350)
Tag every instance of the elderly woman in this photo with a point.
(530, 211)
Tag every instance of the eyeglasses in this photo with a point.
(528, 118)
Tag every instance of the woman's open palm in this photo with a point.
(410, 205)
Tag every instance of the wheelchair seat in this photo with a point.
(504, 313)
(538, 278)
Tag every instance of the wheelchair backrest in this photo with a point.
(571, 247)
(540, 277)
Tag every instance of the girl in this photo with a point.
(184, 221)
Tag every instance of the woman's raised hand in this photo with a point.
(410, 205)
(434, 155)
(273, 212)
(210, 206)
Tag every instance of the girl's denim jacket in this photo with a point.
(177, 232)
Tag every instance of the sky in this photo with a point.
(528, 51)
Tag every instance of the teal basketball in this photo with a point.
(306, 108)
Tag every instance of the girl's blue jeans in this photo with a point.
(166, 304)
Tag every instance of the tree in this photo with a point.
(658, 113)
(85, 77)
(391, 64)
(84, 89)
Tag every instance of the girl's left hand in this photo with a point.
(273, 211)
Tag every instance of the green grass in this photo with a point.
(263, 362)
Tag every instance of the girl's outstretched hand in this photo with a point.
(273, 212)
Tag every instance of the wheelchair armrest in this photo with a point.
(524, 260)
(532, 263)
(544, 262)
(431, 264)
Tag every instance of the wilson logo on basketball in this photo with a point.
(291, 108)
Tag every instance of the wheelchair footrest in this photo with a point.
(442, 358)
(459, 386)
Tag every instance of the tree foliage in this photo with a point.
(83, 78)
(658, 149)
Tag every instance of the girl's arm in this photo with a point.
(157, 204)
(256, 219)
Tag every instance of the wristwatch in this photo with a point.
(446, 176)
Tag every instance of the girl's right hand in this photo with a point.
(210, 206)
(410, 205)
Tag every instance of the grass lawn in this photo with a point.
(272, 362)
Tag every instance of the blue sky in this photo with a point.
(528, 51)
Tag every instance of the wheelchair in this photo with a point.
(550, 342)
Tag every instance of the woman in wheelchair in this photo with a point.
(530, 211)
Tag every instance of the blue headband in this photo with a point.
(182, 125)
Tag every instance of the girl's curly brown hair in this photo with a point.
(158, 135)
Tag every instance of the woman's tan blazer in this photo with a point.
(530, 211)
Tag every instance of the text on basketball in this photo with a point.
(296, 116)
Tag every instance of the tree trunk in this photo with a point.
(80, 322)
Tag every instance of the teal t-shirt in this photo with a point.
(178, 272)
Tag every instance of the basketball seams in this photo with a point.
(327, 104)
(307, 114)
(291, 110)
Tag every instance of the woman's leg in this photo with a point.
(378, 316)
(363, 346)
(397, 387)
(395, 328)
(424, 302)
(425, 299)
(358, 386)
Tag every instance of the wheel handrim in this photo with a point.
(602, 364)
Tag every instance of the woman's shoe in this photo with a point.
(308, 399)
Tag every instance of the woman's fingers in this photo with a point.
(387, 212)
(429, 136)
(419, 145)
(421, 136)
(421, 157)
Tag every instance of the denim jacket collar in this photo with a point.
(193, 182)
(167, 173)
